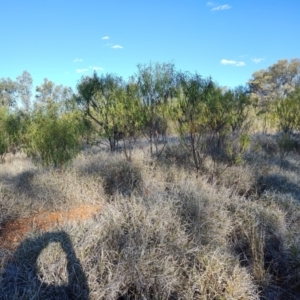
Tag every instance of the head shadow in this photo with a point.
(21, 279)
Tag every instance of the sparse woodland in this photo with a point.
(198, 185)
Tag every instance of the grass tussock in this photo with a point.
(29, 191)
(116, 174)
(163, 232)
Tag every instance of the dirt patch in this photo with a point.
(13, 232)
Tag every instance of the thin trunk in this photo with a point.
(194, 152)
(151, 144)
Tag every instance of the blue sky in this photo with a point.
(63, 40)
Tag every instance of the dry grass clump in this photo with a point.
(140, 251)
(285, 254)
(202, 209)
(249, 240)
(221, 272)
(122, 177)
(281, 181)
(177, 154)
(32, 191)
(264, 143)
(262, 238)
(240, 179)
(116, 173)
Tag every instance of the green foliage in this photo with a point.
(15, 92)
(212, 122)
(130, 111)
(24, 82)
(240, 106)
(49, 93)
(3, 134)
(114, 106)
(107, 106)
(192, 114)
(53, 139)
(228, 124)
(273, 83)
(12, 127)
(218, 110)
(130, 117)
(156, 82)
(99, 98)
(235, 146)
(287, 112)
(3, 146)
(8, 92)
(15, 124)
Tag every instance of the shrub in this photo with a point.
(52, 140)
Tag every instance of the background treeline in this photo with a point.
(157, 101)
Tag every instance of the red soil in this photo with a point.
(13, 232)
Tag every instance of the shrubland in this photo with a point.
(207, 210)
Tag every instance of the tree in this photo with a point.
(273, 83)
(212, 121)
(101, 99)
(233, 138)
(114, 106)
(48, 93)
(157, 86)
(191, 114)
(287, 112)
(86, 97)
(130, 116)
(8, 92)
(3, 134)
(15, 126)
(108, 104)
(12, 128)
(24, 82)
(241, 104)
(54, 130)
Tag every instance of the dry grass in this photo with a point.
(162, 233)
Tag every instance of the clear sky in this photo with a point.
(62, 40)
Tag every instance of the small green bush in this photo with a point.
(53, 140)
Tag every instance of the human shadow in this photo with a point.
(20, 278)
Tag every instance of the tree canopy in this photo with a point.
(275, 82)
